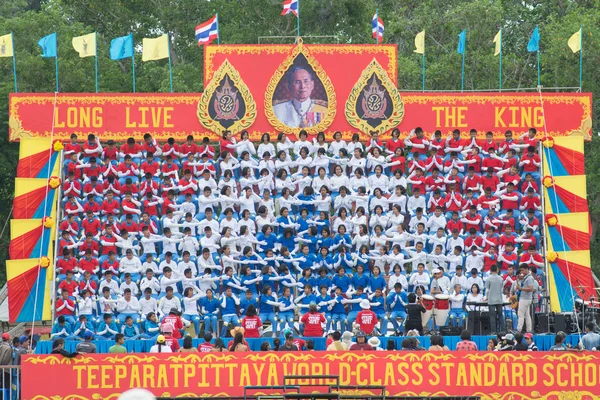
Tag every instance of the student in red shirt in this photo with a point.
(394, 142)
(206, 148)
(170, 340)
(206, 346)
(89, 244)
(417, 142)
(72, 147)
(127, 169)
(70, 225)
(188, 147)
(67, 262)
(91, 224)
(313, 321)
(366, 319)
(174, 321)
(150, 146)
(65, 307)
(110, 152)
(71, 186)
(170, 169)
(252, 323)
(89, 263)
(69, 285)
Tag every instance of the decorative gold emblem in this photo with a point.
(300, 95)
(374, 104)
(226, 102)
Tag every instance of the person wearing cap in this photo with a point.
(366, 319)
(531, 346)
(508, 342)
(374, 342)
(361, 342)
(167, 332)
(22, 348)
(313, 321)
(440, 283)
(288, 344)
(86, 346)
(175, 321)
(347, 338)
(161, 346)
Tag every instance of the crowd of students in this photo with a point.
(258, 234)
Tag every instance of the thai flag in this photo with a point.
(377, 27)
(290, 6)
(208, 31)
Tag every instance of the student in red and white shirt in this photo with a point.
(92, 147)
(131, 148)
(150, 146)
(366, 319)
(417, 142)
(72, 147)
(530, 161)
(110, 152)
(188, 147)
(252, 323)
(530, 201)
(127, 169)
(71, 186)
(492, 161)
(313, 321)
(206, 346)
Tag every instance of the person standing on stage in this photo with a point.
(493, 285)
(525, 285)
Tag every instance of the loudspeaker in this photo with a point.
(544, 323)
(479, 323)
(450, 330)
(563, 322)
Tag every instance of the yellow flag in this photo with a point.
(498, 41)
(575, 41)
(85, 45)
(155, 49)
(420, 43)
(6, 45)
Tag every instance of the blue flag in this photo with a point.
(534, 41)
(121, 47)
(462, 42)
(48, 45)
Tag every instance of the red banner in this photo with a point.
(347, 88)
(489, 375)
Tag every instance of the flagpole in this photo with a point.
(298, 18)
(500, 73)
(462, 80)
(12, 38)
(56, 60)
(132, 62)
(580, 56)
(170, 69)
(377, 25)
(423, 72)
(218, 35)
(538, 67)
(96, 58)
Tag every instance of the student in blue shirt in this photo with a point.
(361, 258)
(285, 221)
(342, 239)
(360, 278)
(326, 240)
(376, 281)
(267, 236)
(338, 311)
(81, 326)
(355, 297)
(306, 259)
(378, 307)
(151, 328)
(209, 306)
(62, 330)
(251, 298)
(267, 304)
(343, 259)
(286, 239)
(324, 259)
(306, 199)
(107, 328)
(324, 300)
(286, 310)
(302, 222)
(250, 280)
(323, 280)
(229, 303)
(129, 330)
(341, 280)
(308, 238)
(397, 301)
(307, 278)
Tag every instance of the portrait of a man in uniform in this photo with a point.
(302, 101)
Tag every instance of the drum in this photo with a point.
(428, 302)
(442, 309)
(581, 305)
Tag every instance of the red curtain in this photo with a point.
(572, 160)
(29, 167)
(576, 240)
(578, 275)
(22, 246)
(573, 202)
(19, 289)
(27, 204)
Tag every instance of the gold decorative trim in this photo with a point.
(226, 70)
(280, 73)
(374, 69)
(390, 51)
(585, 129)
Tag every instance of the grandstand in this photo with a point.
(150, 227)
